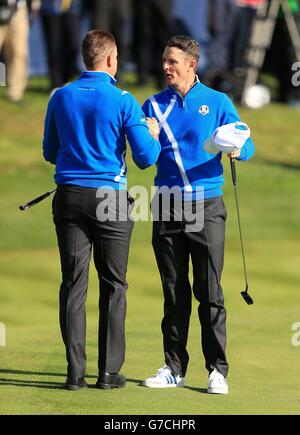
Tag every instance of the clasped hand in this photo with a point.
(153, 127)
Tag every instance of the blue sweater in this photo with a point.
(186, 123)
(85, 133)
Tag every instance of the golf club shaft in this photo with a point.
(233, 173)
(36, 200)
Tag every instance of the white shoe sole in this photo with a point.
(217, 390)
(150, 384)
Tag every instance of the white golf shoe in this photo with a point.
(217, 383)
(164, 378)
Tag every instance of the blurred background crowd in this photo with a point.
(42, 37)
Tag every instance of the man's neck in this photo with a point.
(183, 88)
(99, 70)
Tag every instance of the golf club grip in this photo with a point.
(233, 171)
(35, 201)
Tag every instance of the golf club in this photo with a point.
(244, 293)
(36, 200)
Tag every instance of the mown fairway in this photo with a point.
(264, 366)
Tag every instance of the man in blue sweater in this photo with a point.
(189, 113)
(86, 126)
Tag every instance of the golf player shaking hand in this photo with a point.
(196, 124)
(86, 126)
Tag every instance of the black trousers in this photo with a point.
(280, 58)
(78, 230)
(112, 16)
(149, 44)
(222, 17)
(62, 34)
(173, 249)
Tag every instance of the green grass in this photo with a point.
(264, 373)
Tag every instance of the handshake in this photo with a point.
(153, 127)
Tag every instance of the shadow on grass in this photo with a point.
(198, 390)
(35, 384)
(30, 383)
(60, 385)
(44, 384)
(25, 372)
(139, 383)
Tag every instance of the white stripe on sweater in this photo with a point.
(123, 168)
(163, 124)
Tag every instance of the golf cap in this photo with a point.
(228, 138)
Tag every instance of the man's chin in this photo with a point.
(170, 82)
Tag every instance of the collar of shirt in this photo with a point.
(194, 88)
(98, 75)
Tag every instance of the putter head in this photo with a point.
(247, 298)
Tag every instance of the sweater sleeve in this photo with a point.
(229, 114)
(145, 149)
(51, 139)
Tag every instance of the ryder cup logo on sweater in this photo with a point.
(204, 110)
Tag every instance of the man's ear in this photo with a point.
(193, 64)
(109, 60)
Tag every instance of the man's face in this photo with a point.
(177, 66)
